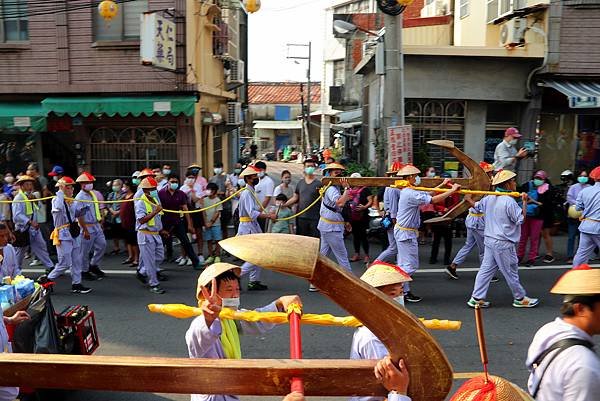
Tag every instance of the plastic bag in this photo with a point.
(39, 335)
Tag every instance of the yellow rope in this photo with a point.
(406, 184)
(181, 311)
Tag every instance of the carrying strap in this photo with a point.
(560, 346)
(68, 213)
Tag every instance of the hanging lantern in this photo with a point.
(405, 2)
(108, 9)
(252, 6)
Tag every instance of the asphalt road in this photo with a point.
(126, 327)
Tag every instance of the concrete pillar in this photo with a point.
(528, 126)
(475, 119)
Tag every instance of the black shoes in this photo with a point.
(88, 276)
(95, 270)
(155, 289)
(256, 286)
(410, 297)
(451, 271)
(80, 289)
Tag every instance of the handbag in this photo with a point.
(74, 228)
(22, 238)
(386, 221)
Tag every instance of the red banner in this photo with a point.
(400, 144)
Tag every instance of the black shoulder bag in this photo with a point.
(560, 346)
(74, 228)
(21, 237)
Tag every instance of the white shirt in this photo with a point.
(505, 156)
(574, 375)
(365, 345)
(265, 188)
(6, 393)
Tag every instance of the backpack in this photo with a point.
(355, 214)
(533, 210)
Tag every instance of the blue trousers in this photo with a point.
(392, 249)
(69, 257)
(499, 255)
(573, 226)
(333, 241)
(97, 243)
(587, 244)
(474, 239)
(408, 256)
(151, 254)
(38, 247)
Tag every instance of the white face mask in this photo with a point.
(241, 183)
(431, 174)
(231, 303)
(417, 181)
(218, 170)
(189, 181)
(513, 142)
(55, 178)
(261, 174)
(9, 179)
(400, 299)
(88, 187)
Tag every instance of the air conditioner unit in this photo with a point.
(234, 113)
(436, 8)
(236, 72)
(512, 32)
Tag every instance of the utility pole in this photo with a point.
(305, 115)
(393, 91)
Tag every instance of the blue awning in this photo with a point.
(581, 94)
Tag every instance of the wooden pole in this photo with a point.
(296, 348)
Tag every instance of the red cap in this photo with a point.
(65, 181)
(595, 174)
(512, 131)
(86, 177)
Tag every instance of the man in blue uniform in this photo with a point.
(588, 201)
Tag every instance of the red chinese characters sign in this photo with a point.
(400, 144)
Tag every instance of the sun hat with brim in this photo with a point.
(214, 271)
(394, 168)
(503, 176)
(380, 274)
(581, 280)
(334, 166)
(595, 174)
(24, 178)
(248, 171)
(409, 169)
(490, 388)
(65, 181)
(146, 173)
(85, 177)
(148, 183)
(194, 165)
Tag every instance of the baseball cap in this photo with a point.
(56, 170)
(512, 131)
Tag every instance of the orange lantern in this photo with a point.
(252, 6)
(108, 9)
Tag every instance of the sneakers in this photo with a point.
(161, 277)
(182, 261)
(80, 289)
(201, 259)
(209, 261)
(410, 297)
(178, 259)
(312, 288)
(97, 272)
(217, 259)
(526, 302)
(141, 278)
(530, 263)
(189, 262)
(494, 279)
(35, 262)
(451, 271)
(474, 302)
(155, 289)
(88, 276)
(256, 286)
(548, 259)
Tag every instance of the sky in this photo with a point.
(277, 23)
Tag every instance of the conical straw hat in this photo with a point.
(409, 169)
(496, 389)
(581, 280)
(503, 176)
(214, 271)
(380, 274)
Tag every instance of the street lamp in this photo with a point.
(344, 27)
(308, 99)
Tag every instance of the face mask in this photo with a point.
(261, 174)
(174, 185)
(287, 180)
(231, 303)
(237, 170)
(241, 183)
(431, 174)
(309, 170)
(537, 182)
(55, 179)
(88, 187)
(9, 180)
(255, 182)
(218, 170)
(154, 194)
(116, 188)
(189, 181)
(279, 203)
(417, 181)
(166, 171)
(208, 192)
(136, 181)
(400, 299)
(582, 180)
(513, 142)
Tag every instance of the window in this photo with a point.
(492, 10)
(125, 26)
(338, 72)
(504, 7)
(464, 8)
(13, 21)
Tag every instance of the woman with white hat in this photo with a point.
(211, 337)
(388, 279)
(331, 222)
(562, 364)
(503, 220)
(408, 220)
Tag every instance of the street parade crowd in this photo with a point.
(155, 206)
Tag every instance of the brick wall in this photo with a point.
(414, 10)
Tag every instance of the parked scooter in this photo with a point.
(375, 229)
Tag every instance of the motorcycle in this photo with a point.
(375, 229)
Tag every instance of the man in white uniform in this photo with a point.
(562, 364)
(264, 190)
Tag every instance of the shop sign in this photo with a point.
(22, 121)
(157, 41)
(162, 107)
(584, 102)
(400, 144)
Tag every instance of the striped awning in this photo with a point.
(581, 94)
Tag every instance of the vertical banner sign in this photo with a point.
(400, 144)
(157, 41)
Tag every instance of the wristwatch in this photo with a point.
(396, 396)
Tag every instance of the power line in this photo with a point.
(59, 7)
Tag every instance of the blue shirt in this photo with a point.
(59, 215)
(19, 212)
(408, 218)
(330, 198)
(391, 196)
(140, 213)
(588, 200)
(475, 219)
(503, 218)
